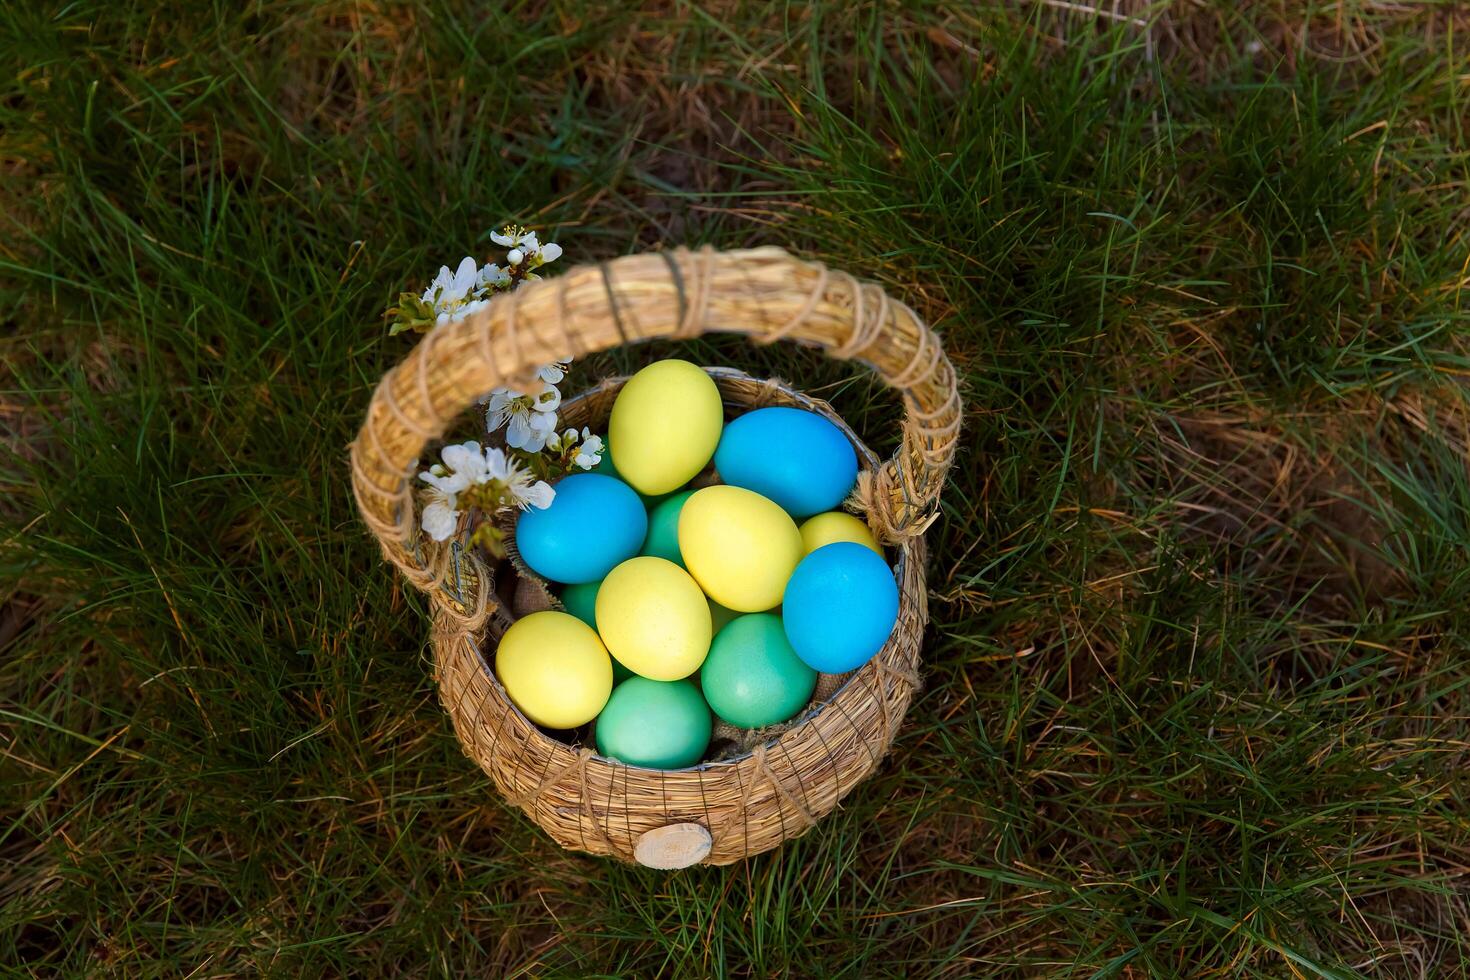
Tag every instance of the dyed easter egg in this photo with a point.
(839, 607)
(594, 523)
(657, 724)
(798, 459)
(665, 425)
(834, 526)
(739, 546)
(752, 677)
(663, 529)
(653, 618)
(581, 601)
(555, 669)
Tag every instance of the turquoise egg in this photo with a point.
(752, 677)
(656, 724)
(650, 503)
(581, 601)
(595, 523)
(663, 528)
(839, 607)
(797, 458)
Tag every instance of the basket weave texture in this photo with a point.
(718, 812)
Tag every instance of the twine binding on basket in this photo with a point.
(786, 784)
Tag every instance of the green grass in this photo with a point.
(1196, 680)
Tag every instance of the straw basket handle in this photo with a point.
(763, 293)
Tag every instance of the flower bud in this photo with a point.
(515, 257)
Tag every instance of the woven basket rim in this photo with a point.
(867, 460)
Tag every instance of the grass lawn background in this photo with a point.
(1196, 685)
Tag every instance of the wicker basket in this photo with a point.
(718, 812)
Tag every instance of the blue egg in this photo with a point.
(840, 606)
(595, 523)
(798, 459)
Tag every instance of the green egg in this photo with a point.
(752, 677)
(581, 601)
(663, 528)
(651, 503)
(655, 724)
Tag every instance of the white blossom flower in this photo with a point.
(585, 448)
(530, 420)
(520, 485)
(455, 294)
(529, 430)
(467, 465)
(450, 292)
(511, 237)
(492, 278)
(467, 462)
(588, 447)
(589, 453)
(554, 372)
(440, 518)
(446, 482)
(524, 247)
(538, 494)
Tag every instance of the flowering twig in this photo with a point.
(455, 295)
(575, 450)
(471, 483)
(471, 479)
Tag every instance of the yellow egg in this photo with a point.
(665, 426)
(834, 526)
(740, 547)
(555, 669)
(654, 619)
